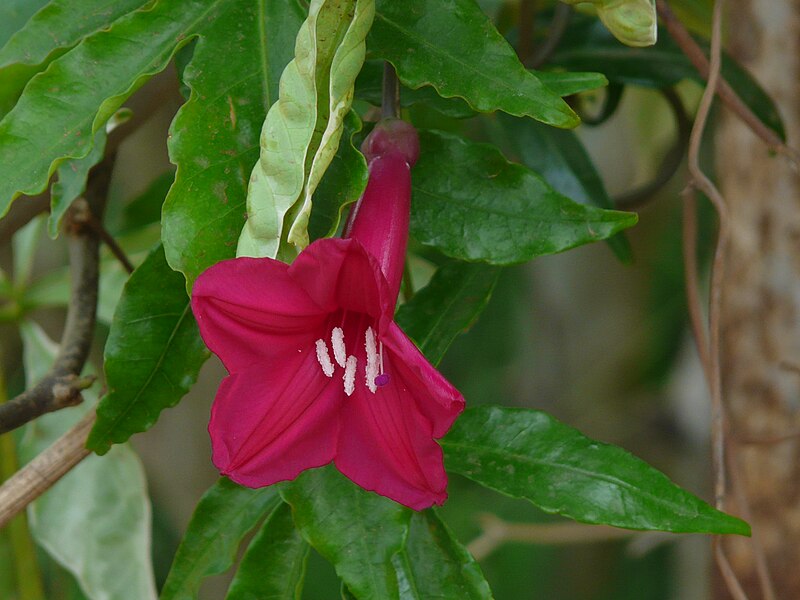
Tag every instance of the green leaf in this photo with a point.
(72, 176)
(47, 34)
(96, 520)
(14, 14)
(447, 306)
(369, 87)
(528, 454)
(569, 83)
(274, 566)
(226, 513)
(435, 565)
(587, 45)
(562, 161)
(152, 356)
(214, 137)
(470, 203)
(92, 80)
(453, 46)
(302, 130)
(357, 531)
(343, 183)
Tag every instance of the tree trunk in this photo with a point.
(761, 299)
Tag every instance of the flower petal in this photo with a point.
(340, 274)
(436, 397)
(271, 422)
(250, 310)
(386, 446)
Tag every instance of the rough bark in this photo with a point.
(761, 298)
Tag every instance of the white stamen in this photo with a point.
(350, 375)
(372, 359)
(337, 341)
(381, 357)
(324, 359)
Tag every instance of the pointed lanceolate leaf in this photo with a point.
(560, 158)
(435, 565)
(302, 130)
(14, 14)
(567, 83)
(471, 203)
(343, 183)
(48, 33)
(587, 45)
(528, 454)
(447, 306)
(226, 513)
(274, 566)
(357, 531)
(453, 46)
(96, 520)
(153, 353)
(82, 89)
(214, 137)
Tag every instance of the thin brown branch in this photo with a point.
(726, 93)
(709, 347)
(39, 475)
(497, 532)
(525, 23)
(109, 241)
(62, 384)
(21, 213)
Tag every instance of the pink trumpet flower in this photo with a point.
(319, 371)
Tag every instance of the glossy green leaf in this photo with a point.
(528, 454)
(435, 565)
(226, 513)
(566, 83)
(214, 137)
(72, 176)
(357, 531)
(152, 356)
(104, 496)
(588, 46)
(447, 306)
(302, 130)
(274, 566)
(472, 204)
(562, 161)
(454, 47)
(343, 183)
(92, 80)
(59, 25)
(14, 14)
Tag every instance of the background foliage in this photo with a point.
(502, 179)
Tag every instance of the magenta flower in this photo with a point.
(319, 371)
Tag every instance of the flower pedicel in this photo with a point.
(319, 371)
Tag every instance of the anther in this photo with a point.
(323, 358)
(337, 341)
(382, 379)
(372, 359)
(350, 375)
